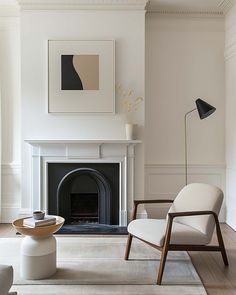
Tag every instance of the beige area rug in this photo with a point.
(95, 265)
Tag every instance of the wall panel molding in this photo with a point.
(10, 212)
(10, 167)
(10, 191)
(230, 50)
(182, 166)
(230, 190)
(164, 181)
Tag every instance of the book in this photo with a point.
(31, 222)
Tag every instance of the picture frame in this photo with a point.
(81, 76)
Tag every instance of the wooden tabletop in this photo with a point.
(39, 231)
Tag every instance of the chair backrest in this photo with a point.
(198, 197)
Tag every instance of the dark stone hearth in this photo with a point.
(103, 229)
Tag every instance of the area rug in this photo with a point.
(95, 265)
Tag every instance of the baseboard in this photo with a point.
(230, 219)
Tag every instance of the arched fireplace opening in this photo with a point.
(85, 193)
(84, 196)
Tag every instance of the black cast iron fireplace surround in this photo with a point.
(86, 195)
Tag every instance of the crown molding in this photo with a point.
(187, 13)
(83, 4)
(220, 10)
(226, 5)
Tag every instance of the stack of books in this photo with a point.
(31, 222)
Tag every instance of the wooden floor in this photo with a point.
(217, 279)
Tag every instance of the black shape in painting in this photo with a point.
(70, 79)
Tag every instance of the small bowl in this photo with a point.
(38, 215)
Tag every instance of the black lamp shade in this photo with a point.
(204, 108)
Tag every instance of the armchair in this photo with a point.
(189, 224)
(6, 280)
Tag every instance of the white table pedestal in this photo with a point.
(38, 257)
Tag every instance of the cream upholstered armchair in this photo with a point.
(6, 279)
(189, 224)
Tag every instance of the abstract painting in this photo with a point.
(80, 72)
(81, 76)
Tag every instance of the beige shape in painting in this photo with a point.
(87, 67)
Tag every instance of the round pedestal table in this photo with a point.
(38, 249)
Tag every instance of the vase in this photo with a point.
(129, 131)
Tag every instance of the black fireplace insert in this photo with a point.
(84, 193)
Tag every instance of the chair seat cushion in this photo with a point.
(153, 231)
(6, 279)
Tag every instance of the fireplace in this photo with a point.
(71, 154)
(84, 193)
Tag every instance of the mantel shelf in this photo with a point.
(80, 141)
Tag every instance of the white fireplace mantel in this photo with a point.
(45, 151)
(65, 141)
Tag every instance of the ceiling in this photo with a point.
(194, 6)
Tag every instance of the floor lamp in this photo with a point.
(204, 110)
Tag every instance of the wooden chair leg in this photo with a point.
(162, 265)
(164, 251)
(128, 246)
(221, 243)
(224, 255)
(222, 246)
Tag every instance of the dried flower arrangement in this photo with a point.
(130, 104)
(129, 101)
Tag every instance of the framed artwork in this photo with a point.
(81, 76)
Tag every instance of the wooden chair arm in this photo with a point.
(138, 202)
(151, 201)
(188, 213)
(172, 215)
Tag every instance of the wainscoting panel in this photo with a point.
(161, 182)
(231, 197)
(11, 192)
(165, 181)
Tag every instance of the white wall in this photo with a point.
(184, 61)
(10, 112)
(230, 73)
(127, 28)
